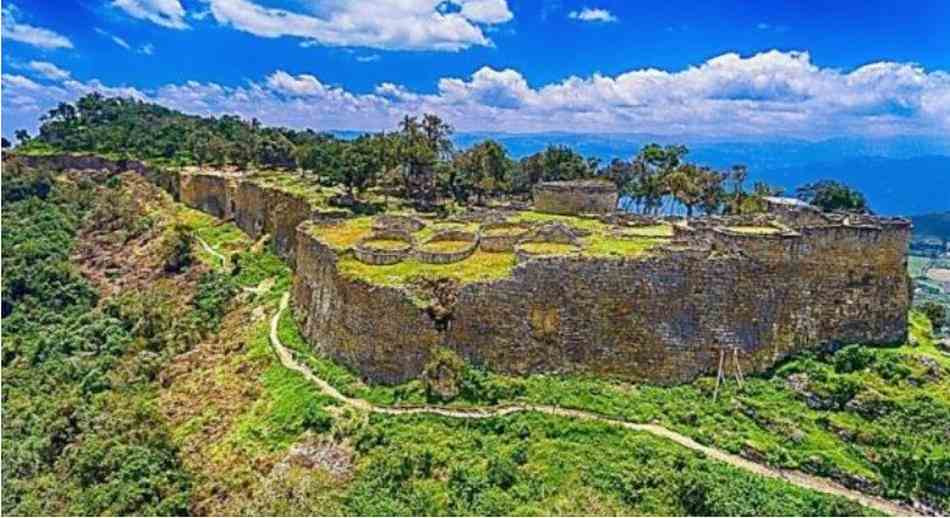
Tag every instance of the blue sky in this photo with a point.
(763, 69)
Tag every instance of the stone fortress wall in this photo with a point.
(816, 281)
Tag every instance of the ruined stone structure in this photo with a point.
(763, 287)
(575, 197)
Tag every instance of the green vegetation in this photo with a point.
(387, 244)
(831, 195)
(535, 248)
(84, 434)
(344, 234)
(80, 434)
(857, 415)
(480, 266)
(447, 246)
(416, 162)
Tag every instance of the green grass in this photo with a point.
(345, 234)
(387, 244)
(548, 248)
(478, 267)
(446, 246)
(599, 246)
(765, 418)
(289, 405)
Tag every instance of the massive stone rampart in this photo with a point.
(255, 208)
(662, 318)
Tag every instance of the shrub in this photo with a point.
(442, 375)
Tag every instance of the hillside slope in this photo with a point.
(138, 380)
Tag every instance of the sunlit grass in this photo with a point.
(480, 266)
(547, 248)
(446, 246)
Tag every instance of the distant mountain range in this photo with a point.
(898, 175)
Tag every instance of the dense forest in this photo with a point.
(417, 160)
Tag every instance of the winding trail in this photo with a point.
(793, 477)
(204, 244)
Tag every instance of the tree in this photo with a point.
(22, 136)
(4, 142)
(361, 163)
(276, 150)
(831, 195)
(420, 146)
(683, 184)
(482, 169)
(935, 312)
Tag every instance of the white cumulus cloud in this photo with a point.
(167, 13)
(382, 24)
(14, 30)
(592, 15)
(769, 94)
(48, 70)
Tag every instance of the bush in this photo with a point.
(442, 375)
(176, 249)
(935, 312)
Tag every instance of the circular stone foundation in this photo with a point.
(398, 222)
(501, 237)
(384, 247)
(447, 246)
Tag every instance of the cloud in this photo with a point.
(148, 49)
(382, 24)
(769, 94)
(115, 39)
(36, 36)
(592, 15)
(48, 70)
(167, 13)
(368, 59)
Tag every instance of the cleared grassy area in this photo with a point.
(480, 266)
(386, 244)
(345, 234)
(548, 248)
(602, 246)
(445, 246)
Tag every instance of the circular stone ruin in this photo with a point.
(447, 246)
(501, 236)
(388, 246)
(550, 239)
(399, 222)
